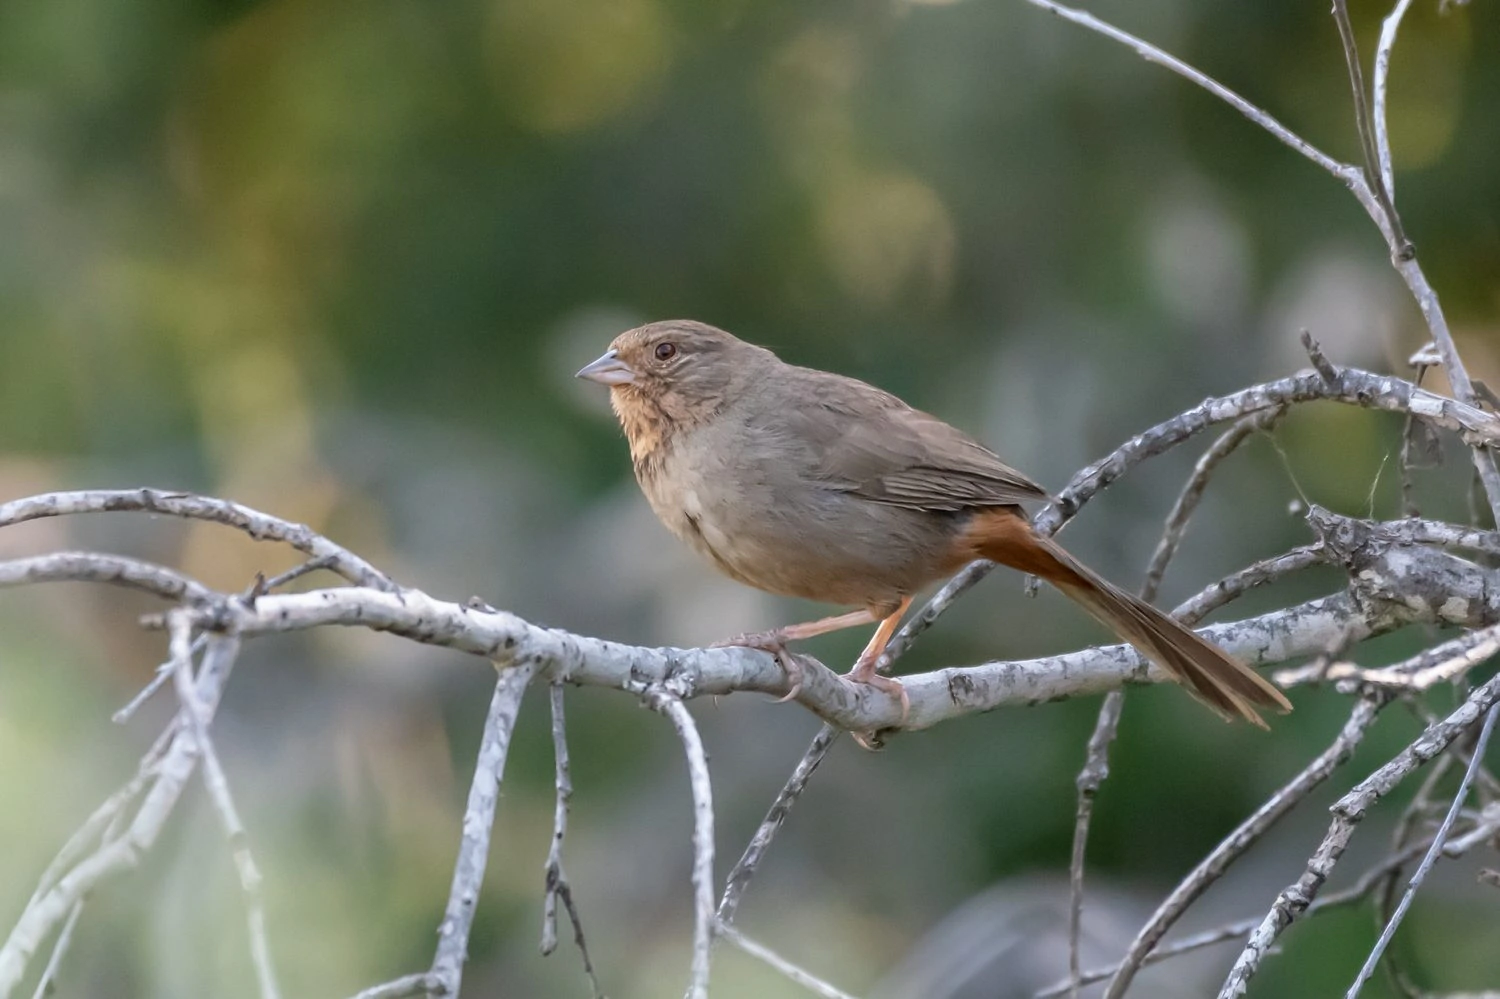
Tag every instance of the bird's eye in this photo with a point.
(666, 351)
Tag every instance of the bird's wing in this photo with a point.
(869, 443)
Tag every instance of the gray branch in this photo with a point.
(479, 820)
(1348, 812)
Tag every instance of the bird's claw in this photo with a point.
(774, 642)
(864, 672)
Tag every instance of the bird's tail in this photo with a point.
(1223, 683)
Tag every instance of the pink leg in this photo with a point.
(864, 667)
(776, 638)
(774, 642)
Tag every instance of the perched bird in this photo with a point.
(811, 484)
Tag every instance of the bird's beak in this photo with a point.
(608, 370)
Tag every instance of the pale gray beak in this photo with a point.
(608, 370)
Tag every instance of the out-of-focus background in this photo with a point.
(339, 260)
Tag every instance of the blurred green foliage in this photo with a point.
(338, 260)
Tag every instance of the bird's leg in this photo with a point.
(864, 667)
(774, 642)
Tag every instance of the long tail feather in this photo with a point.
(1223, 683)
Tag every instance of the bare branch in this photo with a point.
(1351, 386)
(670, 704)
(808, 981)
(1366, 186)
(1414, 531)
(197, 715)
(1438, 840)
(93, 567)
(427, 985)
(557, 885)
(47, 984)
(1096, 763)
(1234, 846)
(1357, 892)
(1348, 812)
(1400, 247)
(1093, 775)
(479, 820)
(168, 777)
(1442, 663)
(760, 842)
(1152, 54)
(260, 526)
(935, 697)
(1388, 29)
(1237, 930)
(1192, 493)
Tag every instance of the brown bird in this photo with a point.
(810, 484)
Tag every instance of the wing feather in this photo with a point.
(882, 449)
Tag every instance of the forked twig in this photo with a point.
(1438, 840)
(1374, 174)
(1096, 763)
(1234, 846)
(557, 886)
(198, 716)
(1348, 812)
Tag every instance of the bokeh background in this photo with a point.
(339, 260)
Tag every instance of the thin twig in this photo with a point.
(1192, 493)
(1374, 176)
(1234, 846)
(168, 777)
(276, 582)
(426, 985)
(1349, 386)
(217, 783)
(47, 984)
(1410, 428)
(669, 704)
(162, 675)
(1388, 29)
(808, 981)
(1095, 771)
(96, 827)
(1170, 62)
(1415, 813)
(755, 851)
(1430, 858)
(557, 885)
(478, 823)
(1366, 186)
(1096, 764)
(1348, 812)
(1442, 663)
(1238, 929)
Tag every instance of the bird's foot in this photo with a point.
(774, 642)
(864, 672)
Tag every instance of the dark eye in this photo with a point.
(666, 351)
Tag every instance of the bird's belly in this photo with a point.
(822, 545)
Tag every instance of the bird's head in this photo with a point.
(677, 372)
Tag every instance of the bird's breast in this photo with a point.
(762, 520)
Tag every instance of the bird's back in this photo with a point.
(816, 485)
